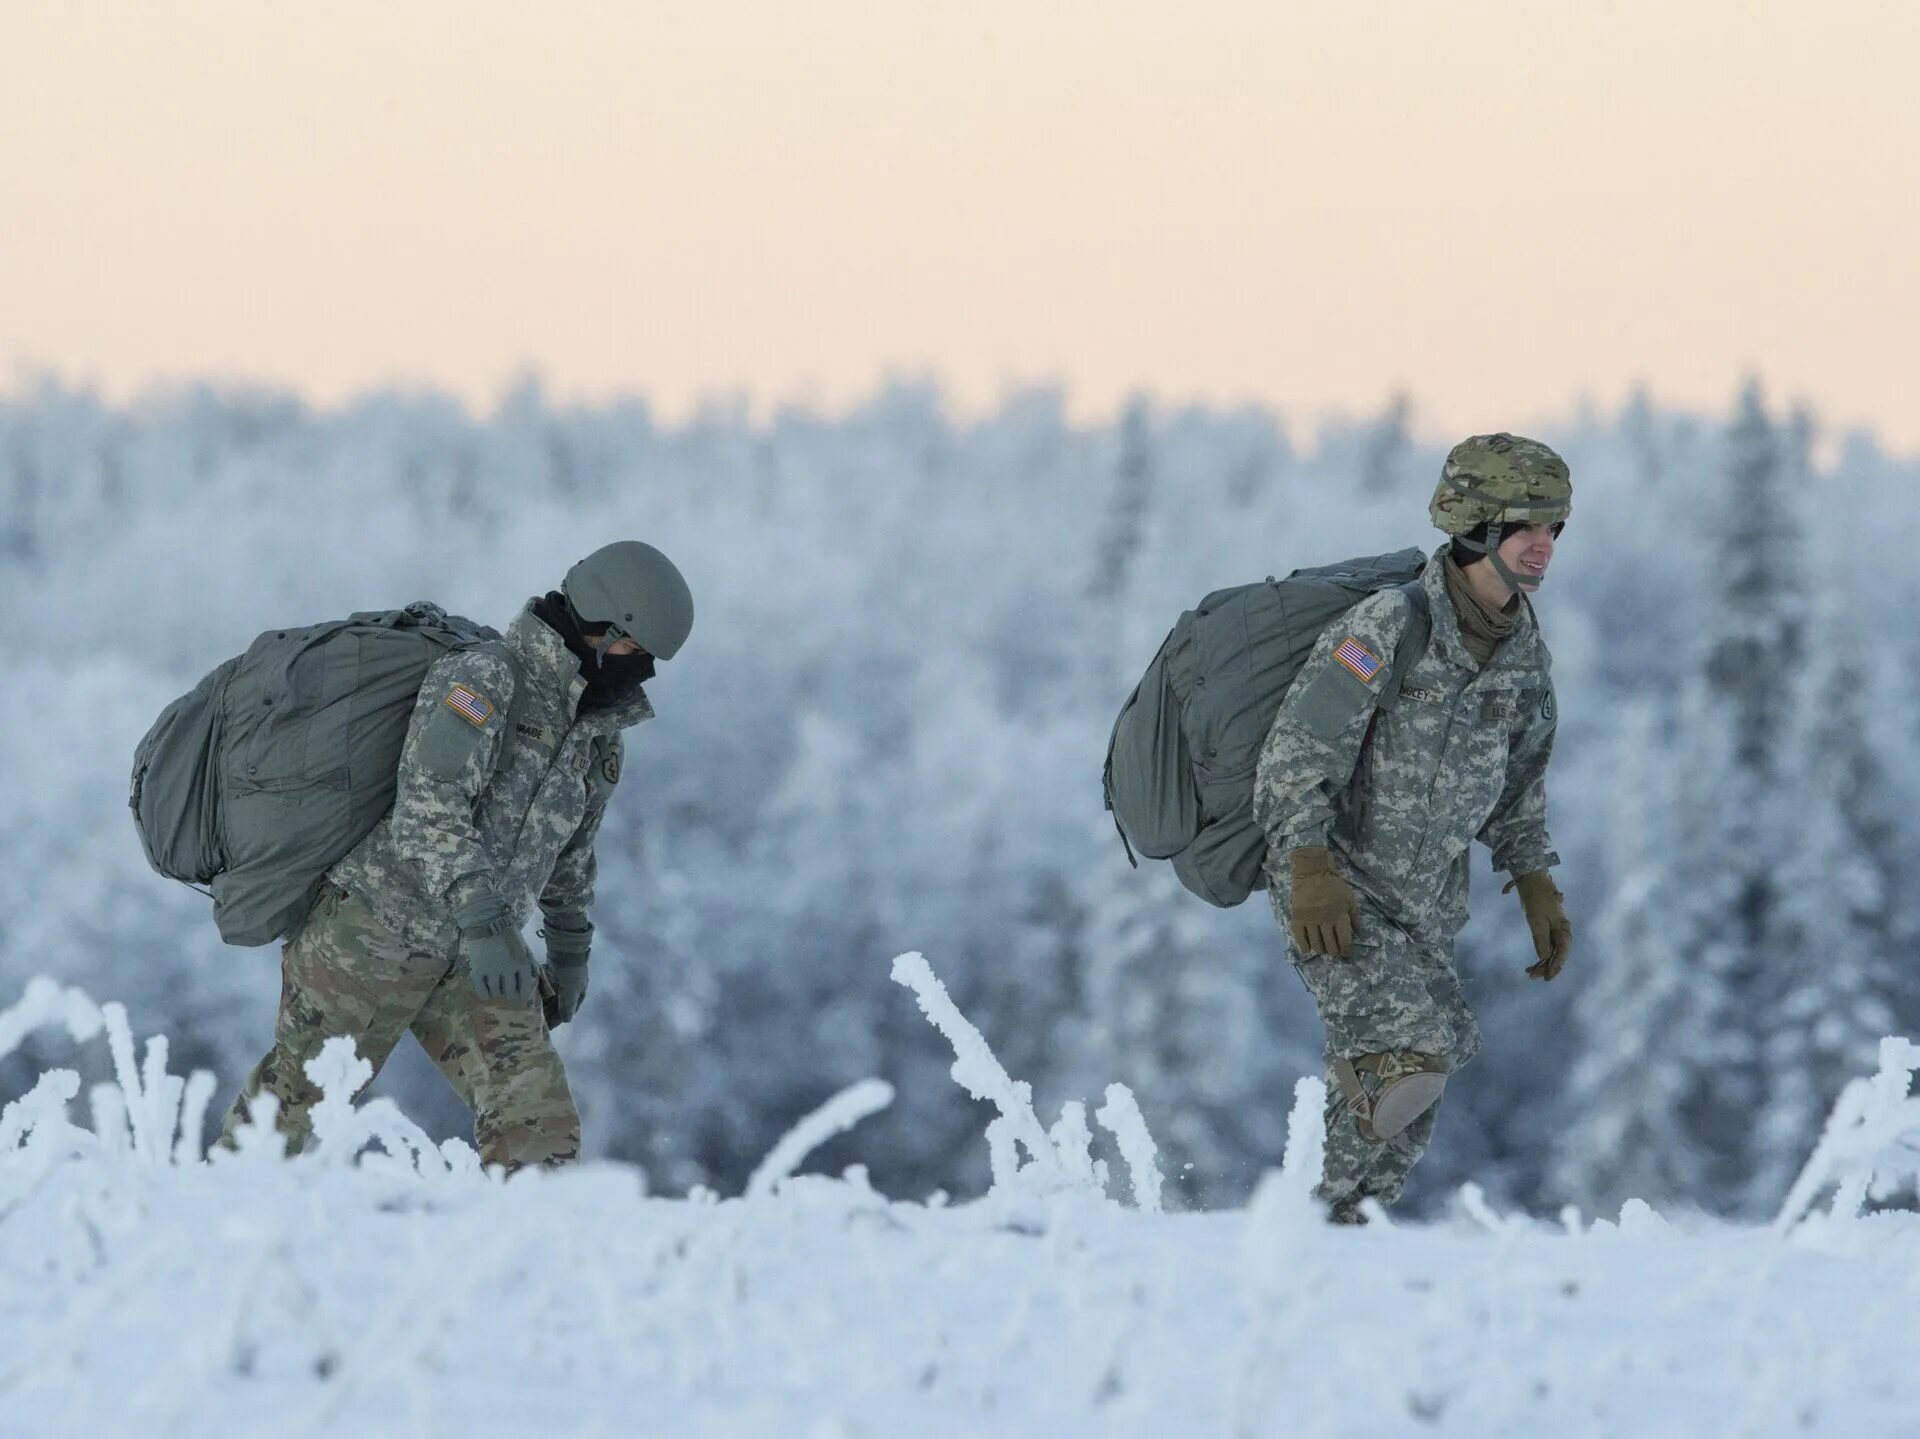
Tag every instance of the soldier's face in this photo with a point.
(1528, 552)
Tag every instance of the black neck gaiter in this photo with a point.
(611, 679)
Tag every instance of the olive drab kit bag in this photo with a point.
(282, 759)
(1180, 764)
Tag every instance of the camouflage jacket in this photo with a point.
(479, 809)
(1398, 795)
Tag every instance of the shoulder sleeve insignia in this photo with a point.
(1363, 662)
(611, 769)
(473, 707)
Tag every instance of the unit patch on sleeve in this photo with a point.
(475, 708)
(1358, 658)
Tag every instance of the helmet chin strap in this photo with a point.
(610, 636)
(1518, 583)
(634, 667)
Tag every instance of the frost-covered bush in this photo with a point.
(378, 1286)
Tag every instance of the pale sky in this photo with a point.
(1498, 206)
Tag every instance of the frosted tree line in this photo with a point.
(887, 732)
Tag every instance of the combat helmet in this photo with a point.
(1490, 481)
(634, 592)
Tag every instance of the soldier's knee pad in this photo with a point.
(1405, 1086)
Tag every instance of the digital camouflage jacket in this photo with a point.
(1398, 795)
(502, 786)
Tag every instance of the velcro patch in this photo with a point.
(1362, 661)
(1331, 701)
(475, 708)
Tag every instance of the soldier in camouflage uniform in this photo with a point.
(509, 762)
(1369, 811)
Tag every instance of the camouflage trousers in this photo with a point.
(1392, 993)
(345, 973)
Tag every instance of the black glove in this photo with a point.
(497, 958)
(564, 981)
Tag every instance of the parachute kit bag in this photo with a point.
(267, 772)
(1181, 759)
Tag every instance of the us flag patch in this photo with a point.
(474, 708)
(1358, 658)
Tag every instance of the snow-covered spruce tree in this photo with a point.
(20, 483)
(1753, 633)
(1257, 455)
(1668, 1100)
(1162, 1004)
(1904, 858)
(1121, 531)
(1639, 427)
(1739, 819)
(1197, 1030)
(1385, 451)
(1838, 960)
(1638, 1016)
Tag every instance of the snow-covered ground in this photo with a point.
(382, 1286)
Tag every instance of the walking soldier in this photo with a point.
(511, 756)
(1369, 809)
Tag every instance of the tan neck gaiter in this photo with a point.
(1481, 629)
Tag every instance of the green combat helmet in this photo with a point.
(636, 593)
(1494, 480)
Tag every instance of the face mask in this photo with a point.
(615, 679)
(620, 671)
(610, 678)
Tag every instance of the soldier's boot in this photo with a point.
(277, 1074)
(1388, 1090)
(534, 1122)
(1347, 1212)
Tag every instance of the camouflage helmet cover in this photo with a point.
(1496, 479)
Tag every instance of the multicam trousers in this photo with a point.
(345, 973)
(1394, 993)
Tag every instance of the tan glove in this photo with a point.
(1324, 909)
(1547, 918)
